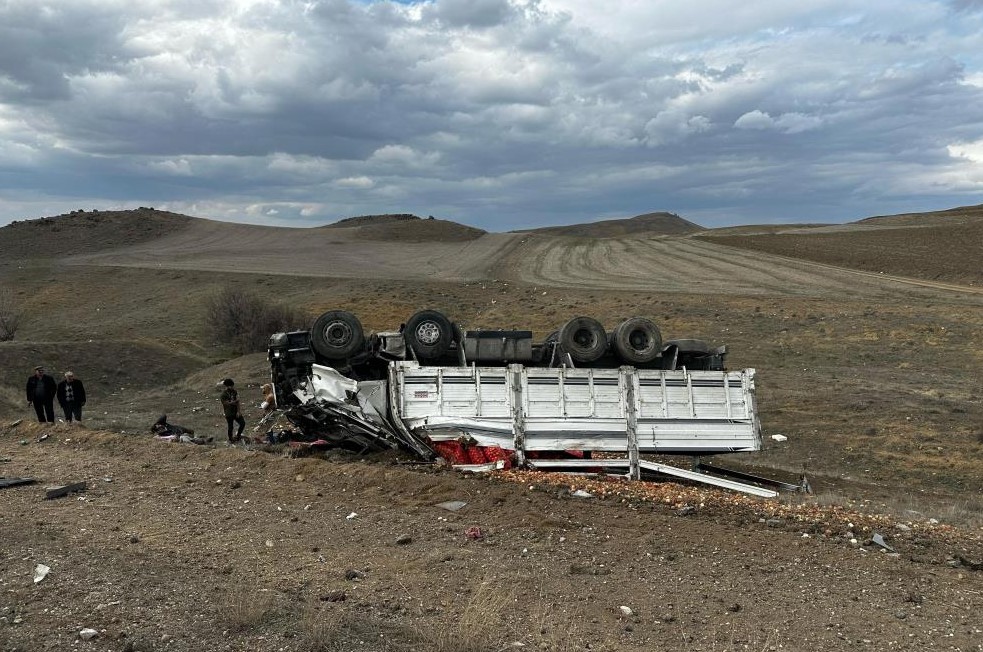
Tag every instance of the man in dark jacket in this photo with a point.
(71, 397)
(41, 393)
(232, 409)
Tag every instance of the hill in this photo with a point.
(405, 227)
(647, 224)
(959, 215)
(942, 246)
(90, 231)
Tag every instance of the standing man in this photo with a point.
(71, 397)
(233, 412)
(41, 392)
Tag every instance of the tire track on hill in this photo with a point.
(684, 265)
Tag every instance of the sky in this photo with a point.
(500, 114)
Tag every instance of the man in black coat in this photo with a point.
(71, 397)
(41, 393)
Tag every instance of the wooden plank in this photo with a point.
(63, 490)
(13, 482)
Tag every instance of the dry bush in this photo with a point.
(10, 315)
(244, 321)
(246, 610)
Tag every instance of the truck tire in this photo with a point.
(337, 334)
(584, 339)
(429, 333)
(637, 340)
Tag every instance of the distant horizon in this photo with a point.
(464, 223)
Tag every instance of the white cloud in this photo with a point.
(969, 151)
(177, 167)
(355, 183)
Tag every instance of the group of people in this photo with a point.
(42, 392)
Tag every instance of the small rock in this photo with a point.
(334, 596)
(166, 638)
(580, 493)
(774, 522)
(404, 539)
(901, 615)
(353, 575)
(734, 608)
(626, 611)
(40, 572)
(88, 633)
(351, 516)
(134, 538)
(685, 510)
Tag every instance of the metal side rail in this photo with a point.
(655, 467)
(802, 487)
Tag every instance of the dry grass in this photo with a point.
(480, 626)
(246, 609)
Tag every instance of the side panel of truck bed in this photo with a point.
(541, 409)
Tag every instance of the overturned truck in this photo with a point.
(485, 399)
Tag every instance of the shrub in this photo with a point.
(10, 315)
(244, 321)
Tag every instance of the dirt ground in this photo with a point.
(873, 378)
(183, 547)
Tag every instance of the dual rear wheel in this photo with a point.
(338, 335)
(636, 340)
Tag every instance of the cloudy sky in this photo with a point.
(501, 114)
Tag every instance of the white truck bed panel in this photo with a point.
(697, 412)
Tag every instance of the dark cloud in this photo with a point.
(500, 113)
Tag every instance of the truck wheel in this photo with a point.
(637, 340)
(584, 339)
(429, 333)
(337, 334)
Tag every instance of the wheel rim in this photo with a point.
(428, 333)
(585, 338)
(639, 340)
(337, 333)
